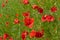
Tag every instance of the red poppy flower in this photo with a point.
(32, 33)
(7, 23)
(0, 15)
(26, 14)
(3, 5)
(43, 18)
(49, 18)
(17, 15)
(35, 7)
(39, 34)
(10, 38)
(29, 22)
(24, 34)
(26, 1)
(40, 10)
(53, 9)
(1, 38)
(16, 21)
(5, 36)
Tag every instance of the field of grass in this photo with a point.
(9, 9)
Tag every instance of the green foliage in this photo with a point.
(16, 6)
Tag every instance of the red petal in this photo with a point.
(40, 10)
(17, 15)
(26, 14)
(29, 22)
(42, 31)
(7, 23)
(35, 7)
(32, 33)
(1, 38)
(53, 9)
(49, 18)
(38, 35)
(43, 18)
(52, 19)
(26, 1)
(32, 22)
(3, 5)
(5, 36)
(10, 38)
(0, 15)
(16, 21)
(24, 34)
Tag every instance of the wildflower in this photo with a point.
(7, 23)
(40, 10)
(17, 15)
(3, 5)
(0, 15)
(24, 34)
(35, 7)
(53, 9)
(0, 38)
(43, 18)
(29, 22)
(32, 33)
(10, 38)
(5, 36)
(49, 18)
(16, 21)
(26, 14)
(39, 34)
(26, 1)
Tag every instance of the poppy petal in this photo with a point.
(32, 33)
